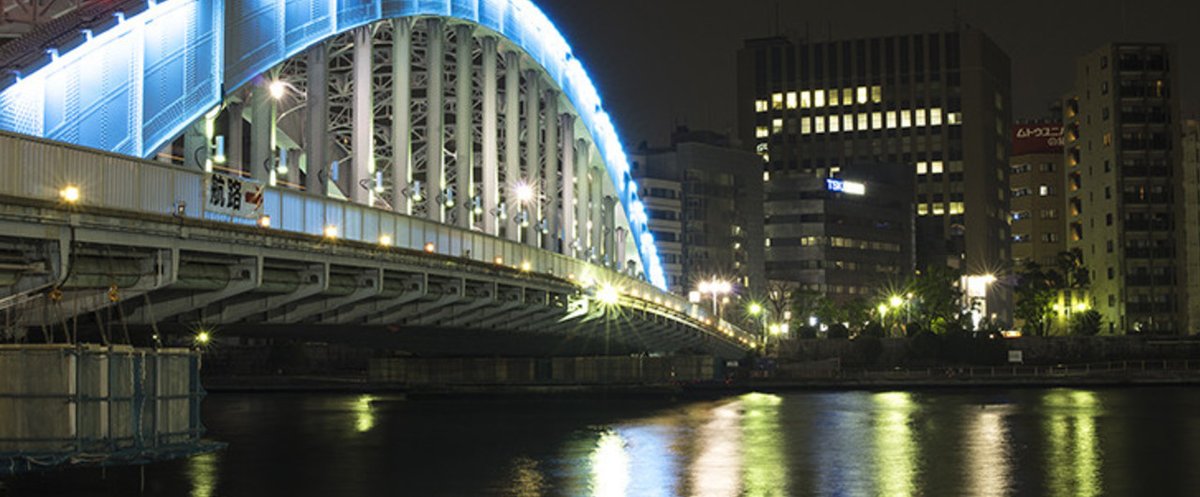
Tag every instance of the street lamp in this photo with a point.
(716, 288)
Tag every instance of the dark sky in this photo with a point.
(660, 62)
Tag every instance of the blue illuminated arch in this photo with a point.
(137, 85)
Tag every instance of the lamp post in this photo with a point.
(716, 288)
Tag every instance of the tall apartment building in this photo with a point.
(1039, 224)
(1125, 181)
(936, 102)
(704, 201)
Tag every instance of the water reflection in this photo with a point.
(895, 450)
(1073, 456)
(988, 453)
(716, 465)
(364, 419)
(610, 466)
(765, 472)
(527, 480)
(202, 471)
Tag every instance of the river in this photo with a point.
(985, 442)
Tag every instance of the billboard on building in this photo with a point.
(1043, 138)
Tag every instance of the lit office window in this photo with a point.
(876, 120)
(762, 132)
(935, 117)
(922, 209)
(760, 106)
(864, 121)
(954, 118)
(1045, 190)
(820, 122)
(956, 208)
(766, 176)
(920, 117)
(833, 124)
(863, 94)
(936, 167)
(777, 125)
(848, 122)
(876, 94)
(938, 209)
(906, 119)
(776, 101)
(847, 96)
(833, 98)
(922, 167)
(818, 98)
(891, 119)
(806, 125)
(791, 100)
(805, 99)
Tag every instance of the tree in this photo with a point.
(1072, 273)
(1086, 323)
(1035, 294)
(939, 298)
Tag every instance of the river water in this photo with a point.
(1061, 442)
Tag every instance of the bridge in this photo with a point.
(441, 169)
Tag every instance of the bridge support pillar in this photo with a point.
(550, 206)
(532, 159)
(512, 142)
(610, 233)
(236, 129)
(359, 182)
(596, 203)
(195, 145)
(434, 132)
(489, 191)
(569, 240)
(401, 114)
(262, 133)
(316, 113)
(464, 164)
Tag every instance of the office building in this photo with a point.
(704, 201)
(1125, 185)
(936, 102)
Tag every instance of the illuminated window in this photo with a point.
(806, 125)
(954, 118)
(956, 208)
(848, 122)
(891, 119)
(920, 120)
(833, 98)
(935, 167)
(820, 121)
(876, 120)
(1045, 190)
(777, 125)
(1107, 139)
(834, 170)
(760, 106)
(906, 119)
(922, 209)
(776, 100)
(935, 117)
(922, 167)
(863, 94)
(805, 99)
(833, 124)
(767, 242)
(818, 98)
(938, 209)
(791, 100)
(766, 176)
(864, 122)
(876, 94)
(847, 96)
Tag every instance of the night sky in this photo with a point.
(662, 62)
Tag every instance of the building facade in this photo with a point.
(937, 103)
(1125, 185)
(1191, 208)
(704, 202)
(844, 237)
(1039, 226)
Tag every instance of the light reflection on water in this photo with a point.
(1025, 442)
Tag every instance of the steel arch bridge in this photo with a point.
(477, 116)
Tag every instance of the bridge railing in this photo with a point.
(41, 169)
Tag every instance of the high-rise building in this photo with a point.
(1036, 179)
(936, 102)
(1191, 212)
(856, 230)
(1125, 185)
(704, 203)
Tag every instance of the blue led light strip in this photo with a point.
(137, 85)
